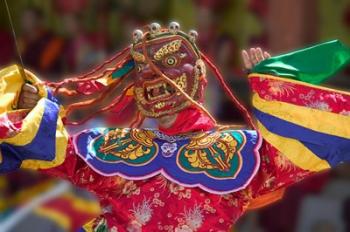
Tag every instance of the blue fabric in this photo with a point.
(42, 147)
(333, 149)
(51, 97)
(11, 160)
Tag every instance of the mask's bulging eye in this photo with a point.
(170, 61)
(138, 68)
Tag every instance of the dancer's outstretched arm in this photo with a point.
(304, 125)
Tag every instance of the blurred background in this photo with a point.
(57, 38)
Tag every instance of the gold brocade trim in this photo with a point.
(131, 151)
(200, 147)
(166, 36)
(162, 113)
(167, 49)
(137, 56)
(202, 140)
(144, 137)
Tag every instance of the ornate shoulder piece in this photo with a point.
(217, 161)
(131, 147)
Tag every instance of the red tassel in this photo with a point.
(113, 104)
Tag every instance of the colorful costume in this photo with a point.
(195, 175)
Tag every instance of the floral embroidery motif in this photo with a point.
(231, 200)
(281, 88)
(130, 188)
(283, 163)
(207, 207)
(157, 201)
(180, 191)
(142, 212)
(134, 226)
(193, 219)
(345, 112)
(183, 228)
(162, 182)
(114, 229)
(299, 94)
(319, 105)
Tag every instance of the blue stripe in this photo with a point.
(51, 97)
(10, 159)
(42, 147)
(333, 149)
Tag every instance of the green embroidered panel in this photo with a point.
(217, 155)
(134, 147)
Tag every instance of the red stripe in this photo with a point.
(299, 94)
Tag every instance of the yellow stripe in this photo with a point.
(89, 227)
(285, 79)
(61, 219)
(317, 120)
(294, 150)
(60, 153)
(30, 126)
(106, 80)
(130, 92)
(11, 83)
(10, 86)
(34, 80)
(80, 204)
(28, 193)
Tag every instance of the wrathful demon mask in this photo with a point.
(169, 73)
(173, 54)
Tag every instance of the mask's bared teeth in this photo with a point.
(149, 96)
(164, 89)
(168, 88)
(159, 105)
